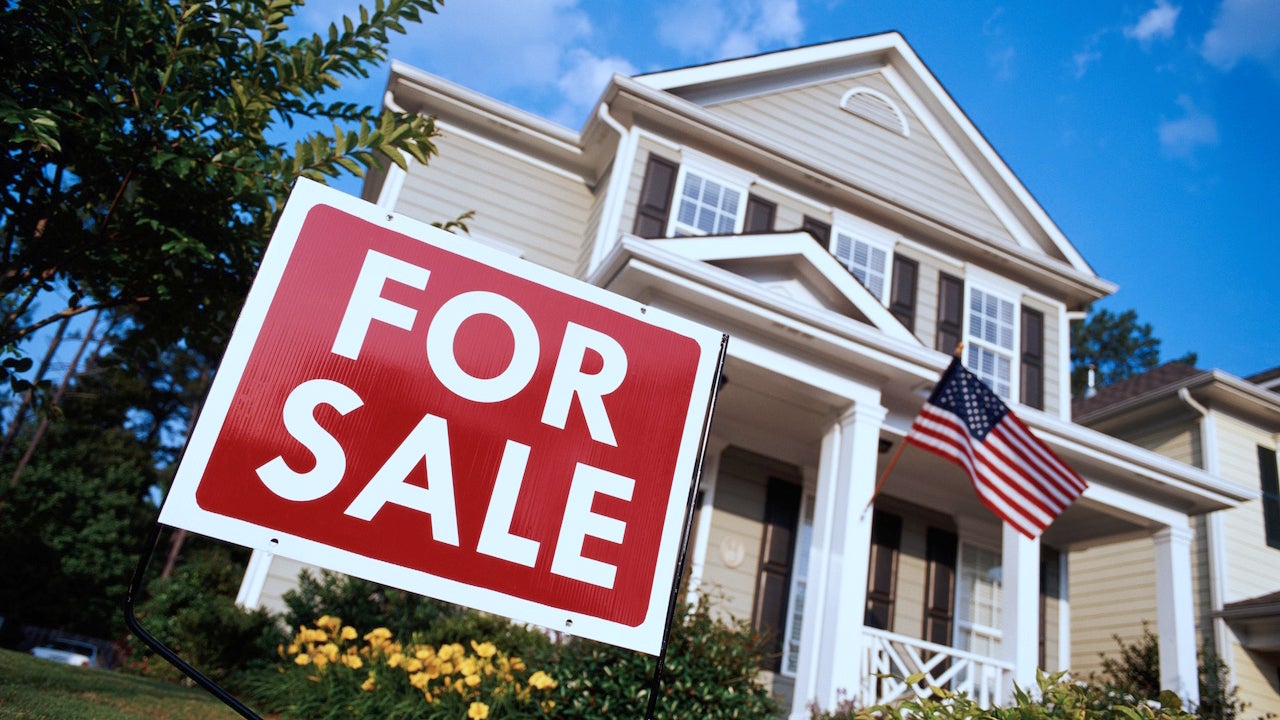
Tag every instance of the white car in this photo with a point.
(68, 652)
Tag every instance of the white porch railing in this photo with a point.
(890, 659)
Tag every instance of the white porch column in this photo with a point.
(1020, 612)
(1175, 617)
(830, 661)
(702, 531)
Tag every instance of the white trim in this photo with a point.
(624, 159)
(1064, 611)
(705, 173)
(857, 229)
(702, 532)
(255, 579)
(392, 185)
(1012, 353)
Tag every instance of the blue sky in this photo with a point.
(1148, 129)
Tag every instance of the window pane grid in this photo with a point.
(707, 207)
(867, 262)
(990, 341)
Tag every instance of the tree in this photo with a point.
(139, 168)
(1116, 346)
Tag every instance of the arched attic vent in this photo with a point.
(876, 107)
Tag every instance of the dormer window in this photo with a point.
(876, 107)
(710, 197)
(868, 262)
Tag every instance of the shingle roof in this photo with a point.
(1134, 386)
(1264, 376)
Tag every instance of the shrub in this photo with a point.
(361, 603)
(193, 612)
(1058, 698)
(330, 671)
(710, 673)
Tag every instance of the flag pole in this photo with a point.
(893, 461)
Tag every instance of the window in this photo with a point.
(978, 591)
(990, 340)
(706, 205)
(1270, 495)
(869, 262)
(819, 230)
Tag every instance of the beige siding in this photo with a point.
(281, 578)
(912, 170)
(1257, 683)
(1252, 567)
(542, 212)
(594, 220)
(1113, 590)
(1179, 441)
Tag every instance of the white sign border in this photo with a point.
(181, 510)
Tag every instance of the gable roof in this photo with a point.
(1151, 393)
(727, 80)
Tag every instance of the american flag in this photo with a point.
(1015, 474)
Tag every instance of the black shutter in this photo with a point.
(941, 547)
(1270, 495)
(773, 584)
(882, 571)
(902, 293)
(818, 229)
(655, 197)
(1050, 587)
(760, 214)
(1032, 358)
(950, 313)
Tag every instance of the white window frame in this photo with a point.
(857, 230)
(707, 168)
(976, 345)
(799, 583)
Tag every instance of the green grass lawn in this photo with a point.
(32, 689)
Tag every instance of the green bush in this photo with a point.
(710, 673)
(193, 612)
(1057, 699)
(365, 604)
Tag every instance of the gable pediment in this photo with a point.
(795, 267)
(869, 110)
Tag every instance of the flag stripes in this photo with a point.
(1014, 473)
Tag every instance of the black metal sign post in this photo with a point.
(131, 619)
(655, 684)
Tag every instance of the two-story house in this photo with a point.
(833, 210)
(1231, 428)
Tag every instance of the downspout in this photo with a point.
(1214, 540)
(611, 213)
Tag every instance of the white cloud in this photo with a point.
(1001, 62)
(1156, 23)
(582, 81)
(719, 29)
(1244, 29)
(1181, 137)
(1083, 59)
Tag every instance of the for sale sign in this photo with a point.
(408, 406)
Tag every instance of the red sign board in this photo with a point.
(408, 406)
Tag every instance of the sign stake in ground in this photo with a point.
(411, 407)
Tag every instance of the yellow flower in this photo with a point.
(348, 633)
(303, 659)
(378, 636)
(446, 652)
(478, 711)
(446, 668)
(293, 648)
(424, 653)
(432, 668)
(352, 661)
(330, 650)
(395, 660)
(320, 660)
(485, 649)
(418, 680)
(413, 665)
(467, 666)
(542, 681)
(473, 680)
(369, 682)
(517, 664)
